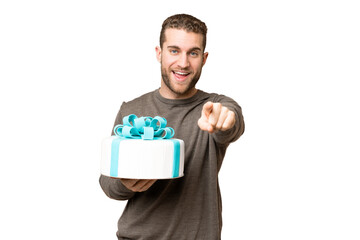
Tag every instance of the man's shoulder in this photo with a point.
(216, 97)
(146, 97)
(141, 106)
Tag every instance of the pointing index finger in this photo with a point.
(207, 108)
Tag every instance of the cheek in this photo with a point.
(167, 63)
(196, 65)
(169, 60)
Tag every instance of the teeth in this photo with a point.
(181, 73)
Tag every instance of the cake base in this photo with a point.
(142, 159)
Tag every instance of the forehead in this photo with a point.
(183, 39)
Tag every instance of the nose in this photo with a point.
(183, 61)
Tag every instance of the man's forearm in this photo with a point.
(114, 189)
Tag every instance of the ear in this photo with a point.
(205, 56)
(158, 53)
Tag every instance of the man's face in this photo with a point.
(182, 59)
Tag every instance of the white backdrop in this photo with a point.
(293, 66)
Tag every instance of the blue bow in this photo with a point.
(146, 128)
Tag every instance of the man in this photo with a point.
(188, 207)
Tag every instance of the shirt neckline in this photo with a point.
(196, 96)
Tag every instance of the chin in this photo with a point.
(183, 92)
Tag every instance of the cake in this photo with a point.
(142, 148)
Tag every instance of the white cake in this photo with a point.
(142, 159)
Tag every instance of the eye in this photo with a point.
(194, 54)
(173, 51)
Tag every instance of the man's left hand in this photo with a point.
(215, 117)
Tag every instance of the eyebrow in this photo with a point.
(192, 49)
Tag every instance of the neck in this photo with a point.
(168, 93)
(172, 95)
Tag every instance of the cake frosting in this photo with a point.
(142, 148)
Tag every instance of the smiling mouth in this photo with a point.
(180, 76)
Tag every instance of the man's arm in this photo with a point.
(115, 189)
(137, 185)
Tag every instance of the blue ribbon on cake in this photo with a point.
(146, 128)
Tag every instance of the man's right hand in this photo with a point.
(137, 185)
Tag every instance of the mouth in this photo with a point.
(180, 75)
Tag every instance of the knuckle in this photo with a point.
(225, 110)
(217, 105)
(231, 114)
(226, 126)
